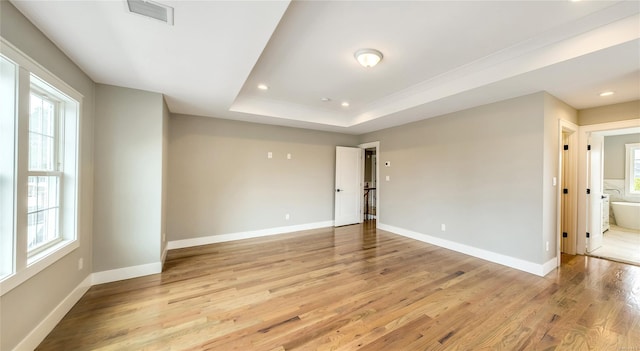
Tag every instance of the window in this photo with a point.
(39, 178)
(632, 165)
(44, 179)
(8, 84)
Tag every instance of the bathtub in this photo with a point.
(627, 214)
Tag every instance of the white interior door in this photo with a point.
(594, 199)
(348, 191)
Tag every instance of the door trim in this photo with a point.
(369, 145)
(572, 178)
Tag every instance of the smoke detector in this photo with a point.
(151, 9)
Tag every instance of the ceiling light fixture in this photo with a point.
(368, 57)
(345, 104)
(607, 93)
(325, 99)
(263, 87)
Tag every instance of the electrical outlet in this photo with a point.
(286, 217)
(388, 178)
(288, 156)
(547, 246)
(443, 227)
(269, 154)
(80, 263)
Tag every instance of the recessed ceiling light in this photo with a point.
(368, 57)
(607, 93)
(263, 87)
(345, 104)
(325, 99)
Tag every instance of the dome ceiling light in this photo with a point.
(368, 57)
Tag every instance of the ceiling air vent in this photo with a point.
(152, 9)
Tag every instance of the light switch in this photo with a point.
(288, 156)
(269, 154)
(555, 181)
(388, 178)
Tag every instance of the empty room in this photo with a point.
(319, 175)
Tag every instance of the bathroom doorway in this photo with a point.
(620, 208)
(618, 242)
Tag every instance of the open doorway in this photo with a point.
(620, 203)
(614, 202)
(371, 186)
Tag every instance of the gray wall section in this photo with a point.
(478, 171)
(26, 306)
(615, 154)
(609, 113)
(128, 178)
(221, 181)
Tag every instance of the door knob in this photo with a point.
(338, 190)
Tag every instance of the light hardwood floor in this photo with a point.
(355, 288)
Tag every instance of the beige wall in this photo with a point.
(615, 154)
(478, 171)
(27, 305)
(609, 113)
(221, 181)
(128, 178)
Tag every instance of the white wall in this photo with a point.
(29, 304)
(221, 181)
(128, 178)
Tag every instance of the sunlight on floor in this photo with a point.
(620, 244)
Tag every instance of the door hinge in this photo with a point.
(565, 191)
(588, 191)
(587, 234)
(566, 147)
(588, 147)
(565, 235)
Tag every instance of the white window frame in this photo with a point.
(31, 74)
(629, 169)
(57, 171)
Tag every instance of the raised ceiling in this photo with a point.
(439, 56)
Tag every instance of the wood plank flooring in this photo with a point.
(355, 288)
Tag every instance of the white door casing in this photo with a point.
(348, 186)
(594, 198)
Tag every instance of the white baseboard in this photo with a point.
(126, 273)
(35, 337)
(206, 240)
(549, 266)
(164, 255)
(519, 264)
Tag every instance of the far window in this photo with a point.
(44, 176)
(632, 176)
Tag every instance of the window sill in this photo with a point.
(37, 263)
